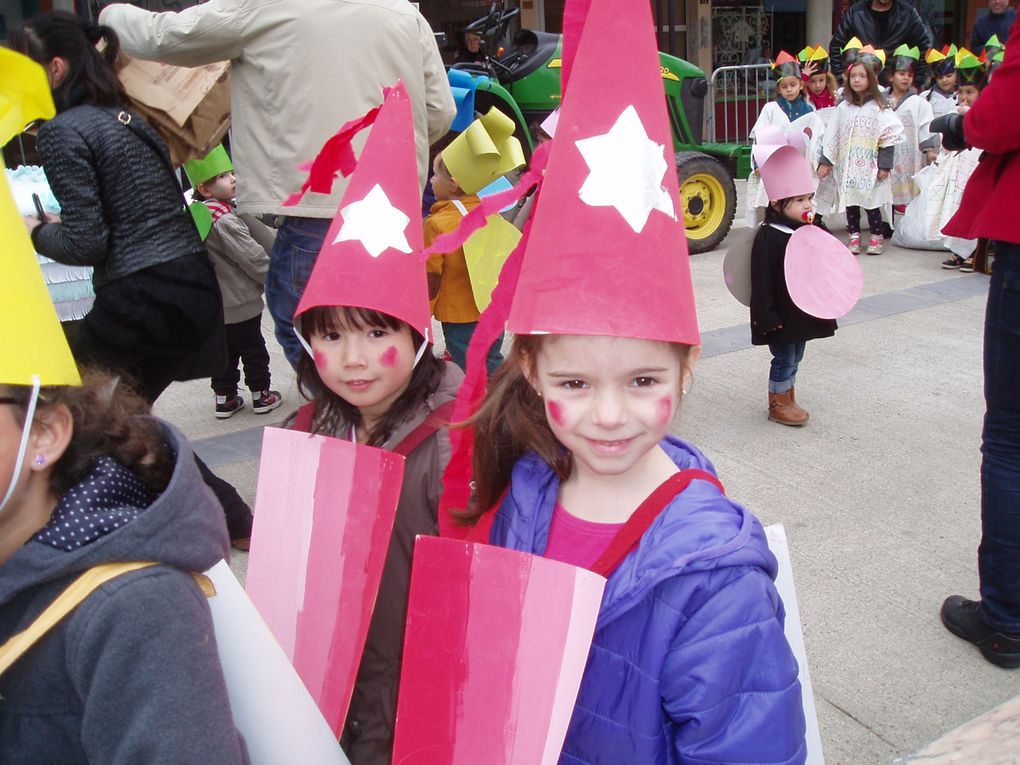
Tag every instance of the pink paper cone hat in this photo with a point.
(785, 173)
(607, 253)
(368, 258)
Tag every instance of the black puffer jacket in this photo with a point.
(905, 26)
(120, 208)
(771, 305)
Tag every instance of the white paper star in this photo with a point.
(374, 222)
(627, 169)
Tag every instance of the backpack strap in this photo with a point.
(628, 537)
(75, 593)
(437, 419)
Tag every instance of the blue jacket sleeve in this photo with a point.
(730, 679)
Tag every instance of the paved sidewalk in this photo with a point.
(879, 492)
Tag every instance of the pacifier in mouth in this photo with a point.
(808, 216)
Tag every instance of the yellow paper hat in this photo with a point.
(485, 150)
(33, 343)
(24, 94)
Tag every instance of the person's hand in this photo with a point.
(882, 175)
(32, 222)
(810, 68)
(962, 109)
(824, 170)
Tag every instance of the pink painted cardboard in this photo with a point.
(823, 278)
(324, 513)
(495, 647)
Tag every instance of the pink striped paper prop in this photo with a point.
(823, 278)
(324, 511)
(495, 647)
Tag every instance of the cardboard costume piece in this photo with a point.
(24, 94)
(823, 278)
(368, 255)
(737, 264)
(272, 708)
(485, 252)
(785, 65)
(485, 150)
(495, 648)
(325, 511)
(463, 87)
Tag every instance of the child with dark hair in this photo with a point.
(920, 145)
(858, 152)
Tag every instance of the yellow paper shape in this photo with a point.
(24, 94)
(486, 251)
(33, 342)
(485, 150)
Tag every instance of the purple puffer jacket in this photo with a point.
(689, 663)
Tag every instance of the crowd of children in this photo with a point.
(870, 139)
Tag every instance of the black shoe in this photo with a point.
(963, 618)
(230, 406)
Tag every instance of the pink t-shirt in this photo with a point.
(576, 541)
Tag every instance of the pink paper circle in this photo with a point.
(823, 278)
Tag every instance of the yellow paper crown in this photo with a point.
(854, 43)
(33, 343)
(484, 151)
(818, 54)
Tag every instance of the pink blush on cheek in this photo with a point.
(555, 411)
(389, 357)
(320, 359)
(663, 411)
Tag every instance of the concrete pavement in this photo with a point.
(879, 493)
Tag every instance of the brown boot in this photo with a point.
(798, 407)
(784, 411)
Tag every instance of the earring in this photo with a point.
(40, 460)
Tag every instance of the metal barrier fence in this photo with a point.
(736, 95)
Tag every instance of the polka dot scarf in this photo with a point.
(108, 497)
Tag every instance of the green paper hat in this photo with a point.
(212, 164)
(785, 65)
(993, 46)
(850, 52)
(905, 58)
(996, 61)
(970, 70)
(816, 54)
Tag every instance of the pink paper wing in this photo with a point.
(823, 278)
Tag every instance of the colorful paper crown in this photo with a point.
(610, 201)
(463, 87)
(940, 62)
(850, 52)
(970, 70)
(33, 346)
(871, 57)
(485, 150)
(993, 45)
(817, 55)
(216, 162)
(368, 257)
(996, 62)
(905, 58)
(785, 65)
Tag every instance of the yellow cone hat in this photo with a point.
(33, 344)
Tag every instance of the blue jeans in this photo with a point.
(786, 357)
(458, 338)
(999, 552)
(298, 242)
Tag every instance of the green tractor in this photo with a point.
(521, 77)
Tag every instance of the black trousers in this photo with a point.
(245, 344)
(853, 221)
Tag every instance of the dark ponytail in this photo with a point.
(91, 76)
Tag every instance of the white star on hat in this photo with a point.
(627, 169)
(374, 222)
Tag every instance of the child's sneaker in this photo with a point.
(228, 406)
(875, 245)
(855, 244)
(265, 401)
(952, 262)
(967, 266)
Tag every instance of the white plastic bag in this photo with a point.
(912, 230)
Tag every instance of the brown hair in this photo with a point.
(331, 411)
(873, 92)
(109, 421)
(91, 78)
(511, 422)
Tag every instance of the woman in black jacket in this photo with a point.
(121, 212)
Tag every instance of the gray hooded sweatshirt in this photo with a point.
(132, 675)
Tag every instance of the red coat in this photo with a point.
(988, 208)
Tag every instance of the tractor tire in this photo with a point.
(708, 198)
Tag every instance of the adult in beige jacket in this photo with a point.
(300, 69)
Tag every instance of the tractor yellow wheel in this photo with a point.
(709, 200)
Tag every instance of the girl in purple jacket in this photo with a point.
(573, 458)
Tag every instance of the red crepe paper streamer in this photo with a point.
(458, 474)
(336, 155)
